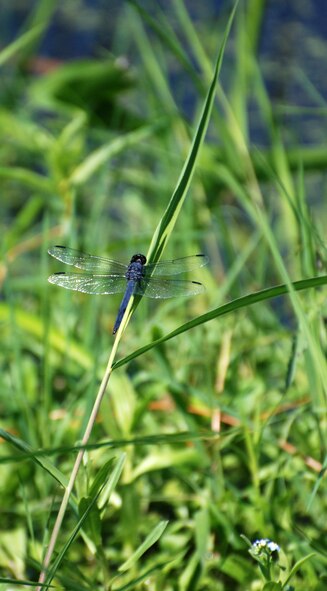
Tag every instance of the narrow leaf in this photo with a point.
(21, 43)
(243, 302)
(151, 539)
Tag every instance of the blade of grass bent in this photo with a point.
(167, 438)
(242, 302)
(90, 166)
(33, 326)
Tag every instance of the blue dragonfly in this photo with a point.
(105, 276)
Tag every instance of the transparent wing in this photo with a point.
(176, 266)
(93, 284)
(87, 262)
(167, 288)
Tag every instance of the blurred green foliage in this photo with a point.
(219, 431)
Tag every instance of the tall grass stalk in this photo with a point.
(79, 458)
(159, 240)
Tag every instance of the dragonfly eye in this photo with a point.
(138, 258)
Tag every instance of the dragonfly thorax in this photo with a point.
(135, 267)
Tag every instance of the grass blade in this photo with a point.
(28, 451)
(19, 44)
(151, 539)
(244, 301)
(169, 218)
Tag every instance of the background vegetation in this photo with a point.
(220, 431)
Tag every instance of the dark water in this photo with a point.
(292, 50)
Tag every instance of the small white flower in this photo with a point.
(265, 549)
(273, 547)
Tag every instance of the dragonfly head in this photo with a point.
(138, 258)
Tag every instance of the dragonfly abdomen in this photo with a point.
(122, 308)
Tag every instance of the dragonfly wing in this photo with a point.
(93, 284)
(176, 266)
(167, 288)
(87, 262)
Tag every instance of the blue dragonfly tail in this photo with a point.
(124, 303)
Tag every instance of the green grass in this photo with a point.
(212, 430)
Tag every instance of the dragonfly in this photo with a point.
(104, 276)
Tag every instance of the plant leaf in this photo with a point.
(243, 302)
(151, 539)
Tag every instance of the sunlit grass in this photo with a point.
(214, 420)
